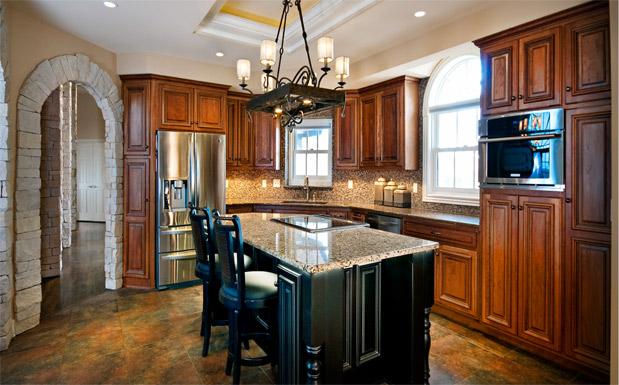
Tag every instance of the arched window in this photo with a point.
(451, 113)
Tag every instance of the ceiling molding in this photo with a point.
(319, 20)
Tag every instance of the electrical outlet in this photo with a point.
(264, 183)
(415, 188)
(226, 183)
(349, 183)
(276, 183)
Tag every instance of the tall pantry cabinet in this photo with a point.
(152, 103)
(546, 254)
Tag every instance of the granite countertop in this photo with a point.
(387, 210)
(327, 250)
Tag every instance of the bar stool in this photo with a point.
(242, 291)
(208, 271)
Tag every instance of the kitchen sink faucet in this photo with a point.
(306, 187)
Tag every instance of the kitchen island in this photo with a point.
(353, 303)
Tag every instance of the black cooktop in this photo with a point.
(319, 222)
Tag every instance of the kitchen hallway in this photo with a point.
(149, 337)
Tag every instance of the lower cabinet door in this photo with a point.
(539, 270)
(137, 261)
(588, 300)
(456, 279)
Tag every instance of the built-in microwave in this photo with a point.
(522, 149)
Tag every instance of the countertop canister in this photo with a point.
(388, 193)
(402, 197)
(379, 185)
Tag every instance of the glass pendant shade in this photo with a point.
(325, 49)
(243, 69)
(267, 86)
(268, 51)
(342, 64)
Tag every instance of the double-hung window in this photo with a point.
(310, 153)
(450, 132)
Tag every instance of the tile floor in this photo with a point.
(151, 337)
(131, 336)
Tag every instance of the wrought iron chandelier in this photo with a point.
(292, 99)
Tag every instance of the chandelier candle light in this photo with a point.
(292, 99)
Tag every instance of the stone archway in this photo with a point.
(6, 198)
(49, 75)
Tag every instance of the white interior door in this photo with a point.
(90, 161)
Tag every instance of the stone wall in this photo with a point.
(50, 185)
(68, 135)
(7, 320)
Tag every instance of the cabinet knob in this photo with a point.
(519, 207)
(436, 253)
(519, 96)
(568, 88)
(435, 233)
(568, 200)
(513, 97)
(146, 146)
(513, 207)
(146, 200)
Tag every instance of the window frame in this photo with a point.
(431, 192)
(314, 180)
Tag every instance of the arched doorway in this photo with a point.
(49, 75)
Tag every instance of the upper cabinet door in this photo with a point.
(176, 107)
(588, 158)
(136, 95)
(231, 134)
(500, 78)
(345, 135)
(540, 70)
(245, 148)
(390, 138)
(210, 110)
(587, 59)
(266, 141)
(369, 117)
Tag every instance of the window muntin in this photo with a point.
(450, 133)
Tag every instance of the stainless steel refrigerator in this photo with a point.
(191, 169)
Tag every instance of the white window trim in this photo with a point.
(431, 193)
(327, 180)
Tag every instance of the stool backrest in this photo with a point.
(229, 239)
(201, 226)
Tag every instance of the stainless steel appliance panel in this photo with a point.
(176, 269)
(386, 223)
(175, 239)
(174, 159)
(210, 171)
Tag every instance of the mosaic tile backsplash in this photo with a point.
(247, 185)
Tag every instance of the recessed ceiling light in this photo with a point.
(110, 4)
(420, 13)
(219, 54)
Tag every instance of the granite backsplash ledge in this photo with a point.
(247, 185)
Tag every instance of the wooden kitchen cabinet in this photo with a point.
(136, 119)
(389, 125)
(521, 73)
(456, 284)
(239, 137)
(345, 134)
(522, 254)
(587, 58)
(588, 222)
(588, 169)
(540, 255)
(192, 107)
(138, 258)
(266, 139)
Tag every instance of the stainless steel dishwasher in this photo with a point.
(383, 222)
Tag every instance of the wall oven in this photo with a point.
(522, 149)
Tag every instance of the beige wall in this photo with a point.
(31, 41)
(90, 123)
